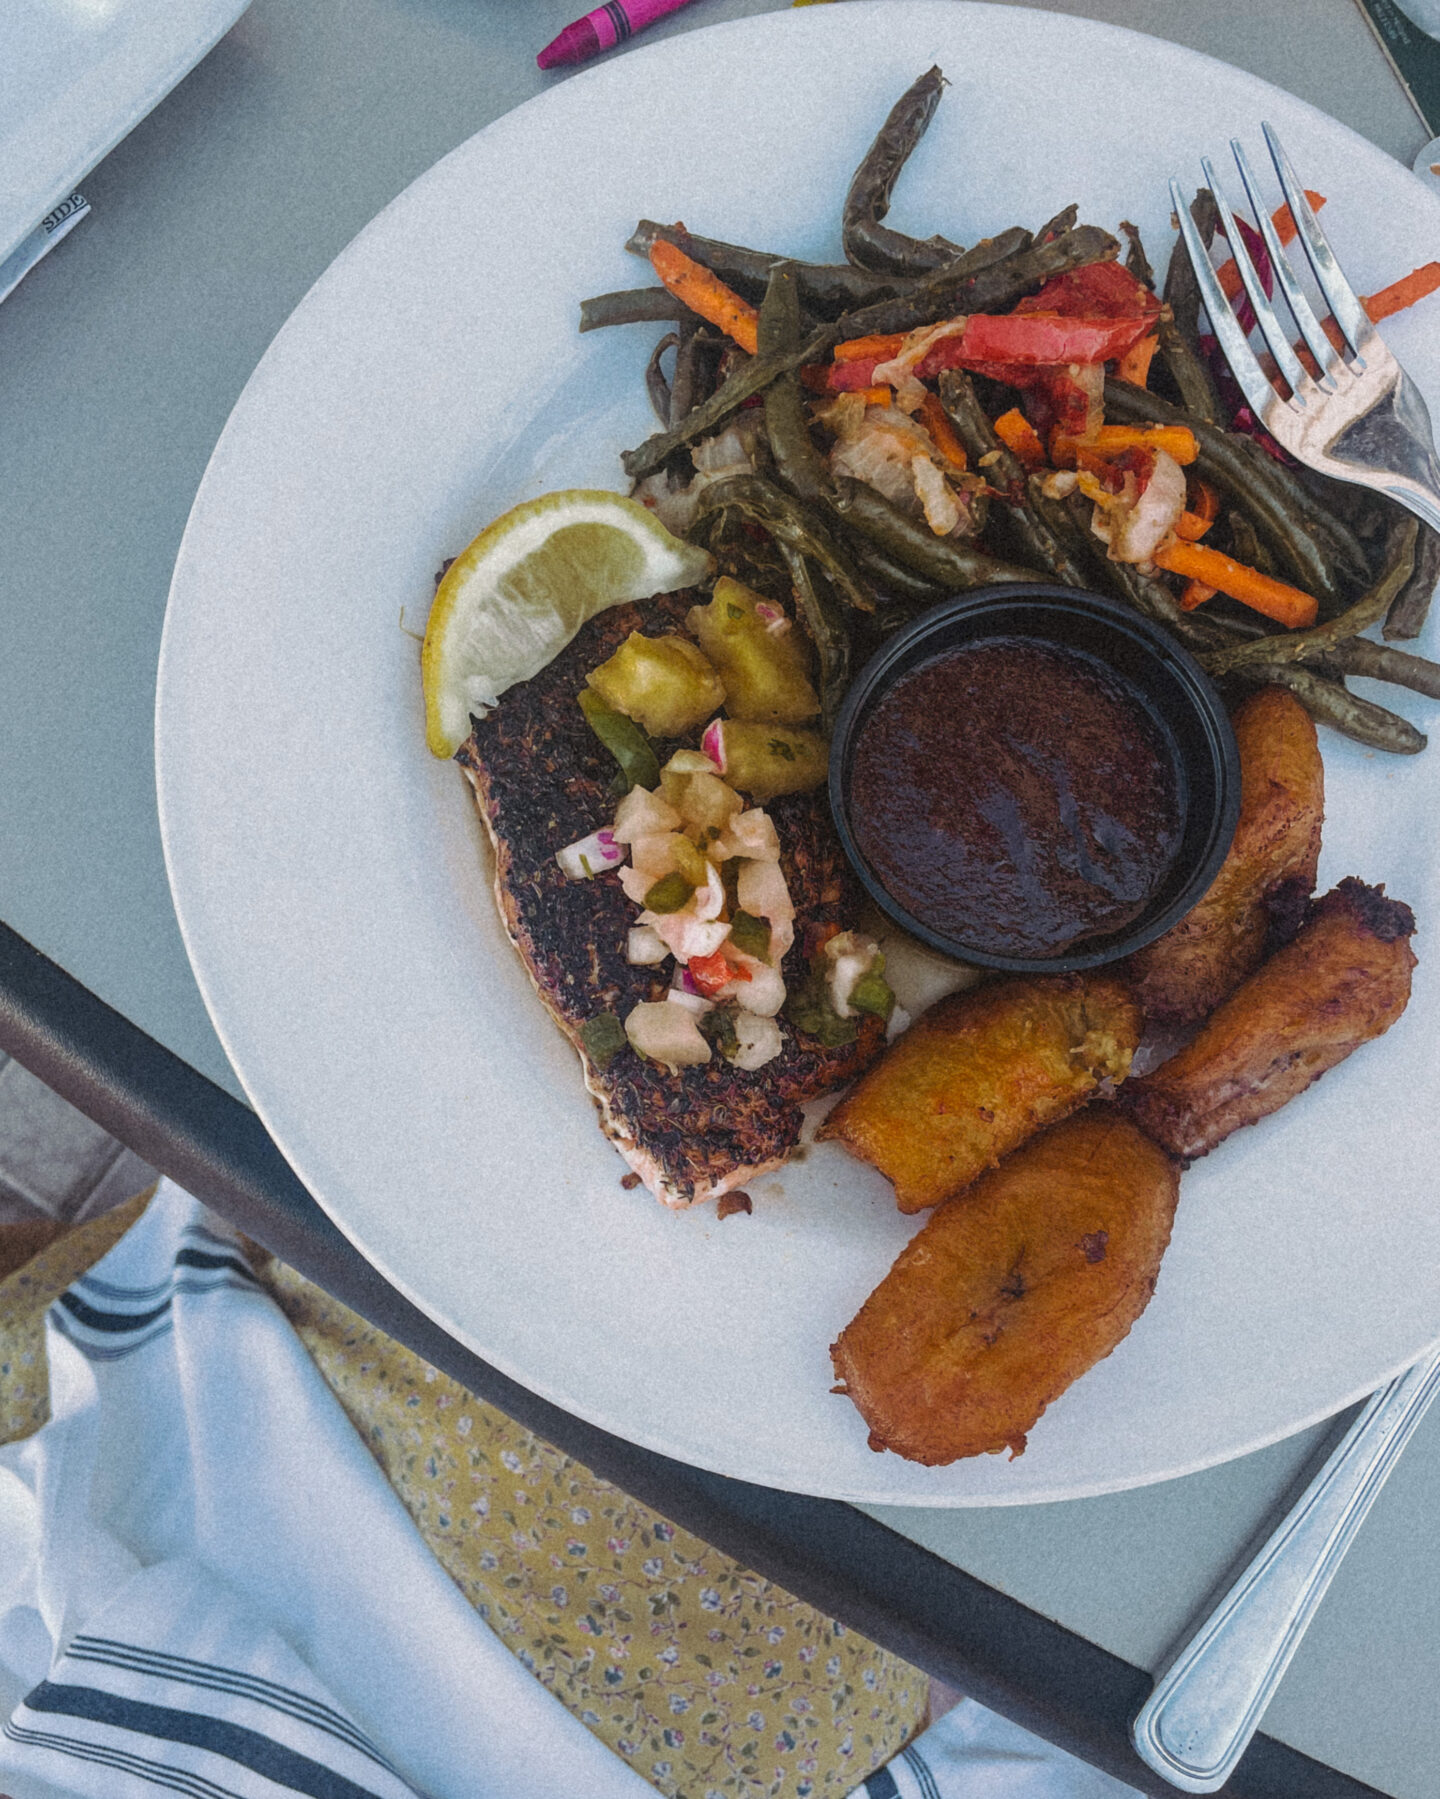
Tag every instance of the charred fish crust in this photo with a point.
(541, 780)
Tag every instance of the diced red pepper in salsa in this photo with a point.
(711, 973)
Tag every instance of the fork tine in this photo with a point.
(1271, 329)
(1341, 298)
(1320, 346)
(1233, 343)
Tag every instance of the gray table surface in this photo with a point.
(120, 358)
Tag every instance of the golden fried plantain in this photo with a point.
(1268, 873)
(979, 1073)
(1343, 980)
(1010, 1294)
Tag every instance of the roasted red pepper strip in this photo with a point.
(1034, 340)
(848, 377)
(1087, 315)
(1099, 290)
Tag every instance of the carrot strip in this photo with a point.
(876, 396)
(1286, 605)
(1134, 365)
(1019, 437)
(1191, 526)
(1195, 594)
(942, 433)
(1177, 441)
(1229, 276)
(881, 347)
(1404, 292)
(705, 294)
(1383, 305)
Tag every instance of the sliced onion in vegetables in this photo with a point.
(1136, 534)
(592, 855)
(899, 1022)
(667, 1033)
(759, 1039)
(644, 947)
(937, 497)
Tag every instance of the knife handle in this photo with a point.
(1209, 1701)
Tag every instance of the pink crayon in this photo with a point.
(599, 30)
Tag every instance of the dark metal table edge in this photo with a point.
(1026, 1666)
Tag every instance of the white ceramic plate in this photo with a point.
(75, 77)
(328, 873)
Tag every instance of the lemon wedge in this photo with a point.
(512, 600)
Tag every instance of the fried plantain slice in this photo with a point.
(1009, 1294)
(1265, 879)
(1342, 981)
(979, 1073)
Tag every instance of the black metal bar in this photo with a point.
(918, 1605)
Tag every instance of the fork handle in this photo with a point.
(1417, 499)
(1207, 1705)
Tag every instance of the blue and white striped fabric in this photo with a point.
(226, 1711)
(207, 1587)
(972, 1753)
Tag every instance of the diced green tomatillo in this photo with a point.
(768, 760)
(871, 993)
(717, 1027)
(810, 1009)
(669, 894)
(664, 683)
(604, 1037)
(762, 658)
(626, 742)
(751, 934)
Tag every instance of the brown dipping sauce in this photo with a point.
(1016, 797)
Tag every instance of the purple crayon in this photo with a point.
(599, 30)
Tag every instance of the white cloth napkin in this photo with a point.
(208, 1588)
(972, 1753)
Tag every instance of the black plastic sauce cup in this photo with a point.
(1168, 679)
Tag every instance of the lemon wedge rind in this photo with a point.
(515, 596)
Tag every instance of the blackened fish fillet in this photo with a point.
(542, 780)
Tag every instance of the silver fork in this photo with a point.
(1363, 420)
